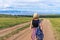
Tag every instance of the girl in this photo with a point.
(35, 23)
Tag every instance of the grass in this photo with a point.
(56, 26)
(9, 22)
(14, 32)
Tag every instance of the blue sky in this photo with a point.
(46, 6)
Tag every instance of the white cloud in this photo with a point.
(27, 0)
(6, 5)
(47, 5)
(1, 3)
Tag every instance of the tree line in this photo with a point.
(41, 16)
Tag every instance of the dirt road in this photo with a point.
(47, 29)
(9, 30)
(26, 34)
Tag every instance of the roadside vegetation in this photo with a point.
(9, 22)
(56, 26)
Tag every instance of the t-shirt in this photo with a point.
(35, 23)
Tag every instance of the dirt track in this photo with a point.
(9, 30)
(47, 29)
(26, 34)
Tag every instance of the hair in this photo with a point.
(35, 16)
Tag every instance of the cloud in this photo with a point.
(42, 5)
(27, 0)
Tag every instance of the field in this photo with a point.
(56, 26)
(6, 23)
(9, 22)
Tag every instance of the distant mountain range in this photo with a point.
(19, 12)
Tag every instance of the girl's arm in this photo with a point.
(41, 25)
(30, 24)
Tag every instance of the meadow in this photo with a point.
(9, 22)
(56, 27)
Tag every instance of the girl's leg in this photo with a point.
(33, 34)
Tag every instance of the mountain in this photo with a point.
(20, 12)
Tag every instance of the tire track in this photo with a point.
(24, 35)
(9, 30)
(14, 37)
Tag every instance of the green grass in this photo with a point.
(56, 26)
(9, 22)
(14, 32)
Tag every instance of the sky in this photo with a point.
(45, 6)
